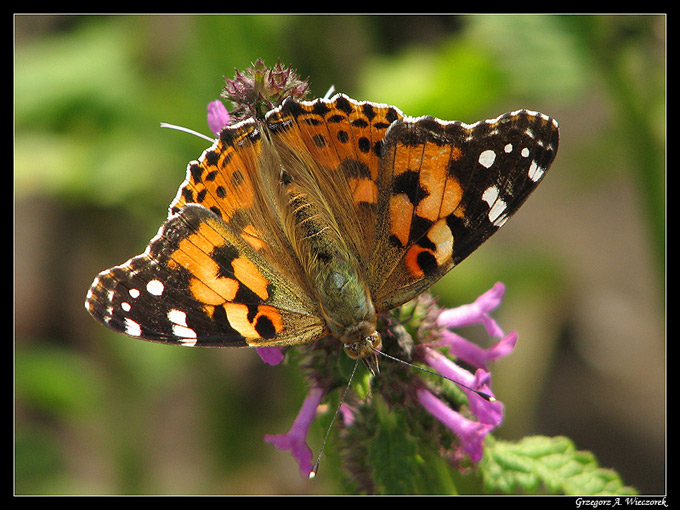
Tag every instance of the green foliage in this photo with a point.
(404, 464)
(393, 455)
(544, 464)
(383, 456)
(58, 381)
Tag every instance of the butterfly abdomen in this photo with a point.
(342, 293)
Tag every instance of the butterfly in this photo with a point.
(318, 218)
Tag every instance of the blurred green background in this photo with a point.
(583, 260)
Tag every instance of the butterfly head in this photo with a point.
(365, 349)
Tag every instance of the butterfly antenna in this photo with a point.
(482, 394)
(330, 92)
(187, 130)
(315, 468)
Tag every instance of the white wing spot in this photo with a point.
(177, 317)
(535, 172)
(134, 293)
(496, 206)
(525, 152)
(186, 335)
(132, 328)
(508, 148)
(490, 195)
(155, 287)
(125, 306)
(487, 158)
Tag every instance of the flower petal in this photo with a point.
(477, 312)
(474, 354)
(270, 355)
(296, 438)
(447, 367)
(218, 116)
(347, 414)
(490, 413)
(471, 433)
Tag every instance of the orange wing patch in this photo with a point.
(339, 143)
(216, 267)
(421, 194)
(425, 257)
(221, 180)
(342, 135)
(434, 181)
(249, 275)
(235, 288)
(256, 324)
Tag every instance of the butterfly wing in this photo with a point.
(336, 143)
(445, 187)
(238, 180)
(214, 274)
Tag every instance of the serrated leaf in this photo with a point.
(552, 465)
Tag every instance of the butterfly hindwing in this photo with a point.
(238, 179)
(445, 188)
(338, 142)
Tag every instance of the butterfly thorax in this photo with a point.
(347, 307)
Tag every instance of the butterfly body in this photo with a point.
(318, 218)
(335, 275)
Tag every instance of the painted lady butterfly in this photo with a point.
(318, 218)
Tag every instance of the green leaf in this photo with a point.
(427, 80)
(401, 462)
(545, 464)
(393, 455)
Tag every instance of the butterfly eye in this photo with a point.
(373, 341)
(352, 350)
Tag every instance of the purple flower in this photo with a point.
(347, 414)
(471, 423)
(218, 116)
(260, 88)
(270, 355)
(471, 433)
(489, 412)
(475, 313)
(474, 354)
(296, 438)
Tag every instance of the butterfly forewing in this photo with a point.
(445, 188)
(200, 282)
